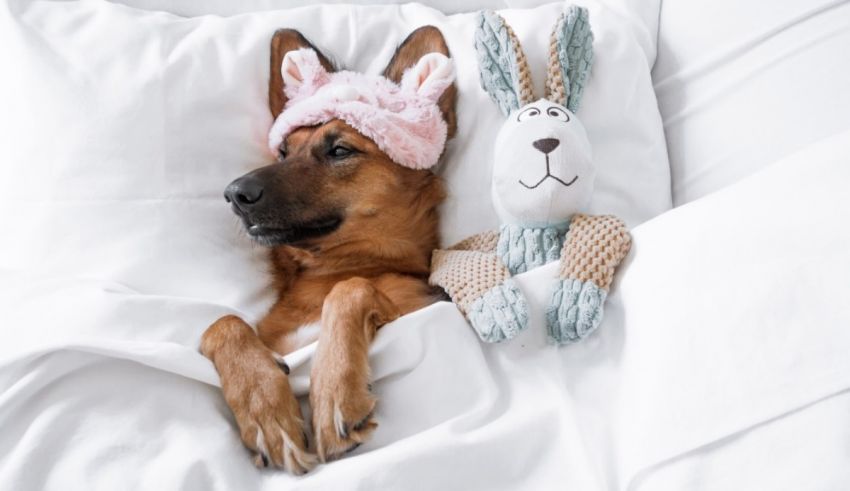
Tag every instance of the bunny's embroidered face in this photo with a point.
(543, 170)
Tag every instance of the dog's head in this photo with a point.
(332, 185)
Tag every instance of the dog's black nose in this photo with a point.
(244, 192)
(546, 145)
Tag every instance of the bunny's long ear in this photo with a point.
(502, 64)
(570, 58)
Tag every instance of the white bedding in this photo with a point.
(728, 328)
(721, 362)
(742, 84)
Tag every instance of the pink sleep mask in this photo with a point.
(402, 119)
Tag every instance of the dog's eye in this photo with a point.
(557, 112)
(528, 113)
(339, 152)
(281, 153)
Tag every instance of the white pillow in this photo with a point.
(742, 84)
(192, 8)
(122, 127)
(640, 15)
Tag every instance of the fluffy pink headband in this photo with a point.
(402, 119)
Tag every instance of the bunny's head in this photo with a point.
(543, 172)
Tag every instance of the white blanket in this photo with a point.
(724, 341)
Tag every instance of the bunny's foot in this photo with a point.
(575, 310)
(500, 314)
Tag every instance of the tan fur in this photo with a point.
(369, 271)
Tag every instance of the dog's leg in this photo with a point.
(339, 395)
(258, 392)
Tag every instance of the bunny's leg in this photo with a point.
(482, 288)
(594, 247)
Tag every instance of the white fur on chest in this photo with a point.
(304, 335)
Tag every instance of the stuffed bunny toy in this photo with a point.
(543, 176)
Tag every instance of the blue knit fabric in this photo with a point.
(575, 53)
(575, 310)
(500, 314)
(525, 248)
(497, 61)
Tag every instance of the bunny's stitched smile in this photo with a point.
(548, 175)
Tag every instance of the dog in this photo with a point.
(350, 233)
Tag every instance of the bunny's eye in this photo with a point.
(557, 112)
(528, 113)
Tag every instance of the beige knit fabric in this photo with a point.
(555, 90)
(466, 275)
(595, 246)
(483, 242)
(526, 89)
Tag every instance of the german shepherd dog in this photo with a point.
(350, 234)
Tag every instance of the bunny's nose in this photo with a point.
(546, 145)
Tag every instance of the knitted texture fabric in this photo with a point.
(522, 248)
(555, 89)
(476, 274)
(524, 83)
(502, 65)
(572, 44)
(466, 275)
(500, 314)
(480, 285)
(594, 248)
(483, 242)
(575, 310)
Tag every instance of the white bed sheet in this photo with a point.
(721, 363)
(741, 84)
(730, 316)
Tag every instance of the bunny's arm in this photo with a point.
(483, 242)
(594, 247)
(481, 287)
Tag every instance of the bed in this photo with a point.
(723, 141)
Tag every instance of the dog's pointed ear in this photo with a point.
(291, 64)
(430, 77)
(429, 73)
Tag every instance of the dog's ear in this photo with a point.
(422, 41)
(284, 41)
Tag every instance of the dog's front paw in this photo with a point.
(258, 392)
(342, 413)
(500, 314)
(575, 310)
(270, 421)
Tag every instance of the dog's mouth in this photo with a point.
(292, 234)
